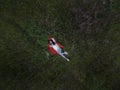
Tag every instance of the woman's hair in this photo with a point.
(51, 41)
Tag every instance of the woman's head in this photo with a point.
(51, 42)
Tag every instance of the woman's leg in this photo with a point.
(61, 54)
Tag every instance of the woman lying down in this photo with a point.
(56, 48)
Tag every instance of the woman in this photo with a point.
(56, 48)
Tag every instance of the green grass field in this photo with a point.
(89, 30)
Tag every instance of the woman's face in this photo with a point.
(50, 42)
